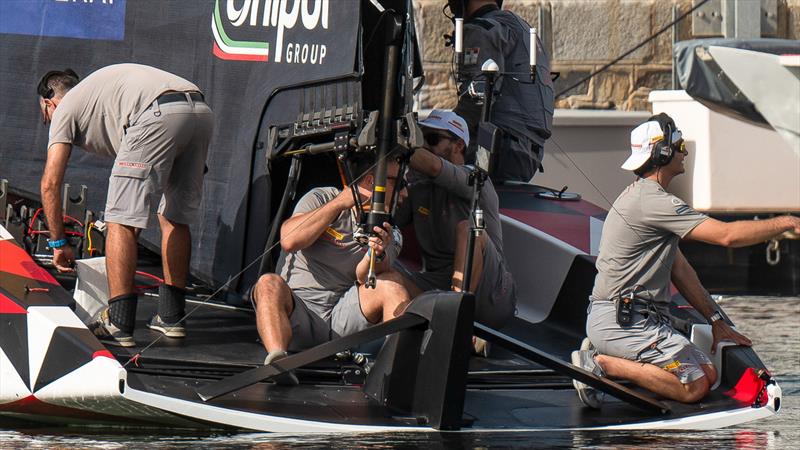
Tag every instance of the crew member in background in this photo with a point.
(157, 127)
(319, 294)
(638, 258)
(439, 204)
(521, 109)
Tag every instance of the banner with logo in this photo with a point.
(243, 54)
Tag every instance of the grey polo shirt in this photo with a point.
(329, 264)
(94, 114)
(640, 240)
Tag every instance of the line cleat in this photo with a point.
(584, 359)
(172, 330)
(108, 333)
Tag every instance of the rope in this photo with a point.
(640, 45)
(610, 203)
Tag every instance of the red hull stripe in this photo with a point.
(747, 388)
(231, 57)
(103, 353)
(572, 229)
(17, 262)
(7, 306)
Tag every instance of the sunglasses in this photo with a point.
(433, 139)
(680, 148)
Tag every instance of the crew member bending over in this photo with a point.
(157, 127)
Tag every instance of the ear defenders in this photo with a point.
(662, 151)
(45, 91)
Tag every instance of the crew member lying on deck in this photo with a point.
(629, 322)
(439, 205)
(320, 293)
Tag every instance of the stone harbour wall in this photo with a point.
(581, 36)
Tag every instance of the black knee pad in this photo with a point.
(122, 311)
(171, 303)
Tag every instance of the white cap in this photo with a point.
(442, 119)
(643, 138)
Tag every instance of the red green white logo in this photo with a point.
(231, 49)
(246, 30)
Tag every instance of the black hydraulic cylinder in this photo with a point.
(394, 32)
(288, 194)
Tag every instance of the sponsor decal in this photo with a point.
(134, 165)
(680, 206)
(334, 234)
(82, 19)
(256, 30)
(471, 56)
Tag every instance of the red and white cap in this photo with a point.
(643, 138)
(442, 119)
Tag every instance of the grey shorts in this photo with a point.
(161, 159)
(321, 316)
(646, 340)
(495, 297)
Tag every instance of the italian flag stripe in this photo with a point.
(227, 48)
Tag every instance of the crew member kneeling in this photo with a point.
(634, 340)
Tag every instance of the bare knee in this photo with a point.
(271, 291)
(123, 230)
(391, 277)
(711, 373)
(463, 230)
(602, 361)
(167, 223)
(696, 390)
(392, 284)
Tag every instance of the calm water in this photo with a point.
(772, 323)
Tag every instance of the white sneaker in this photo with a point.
(584, 359)
(108, 333)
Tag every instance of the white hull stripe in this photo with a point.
(263, 422)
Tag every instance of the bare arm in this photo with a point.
(743, 232)
(449, 176)
(52, 179)
(685, 279)
(425, 162)
(302, 230)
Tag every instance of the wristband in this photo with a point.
(715, 317)
(58, 243)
